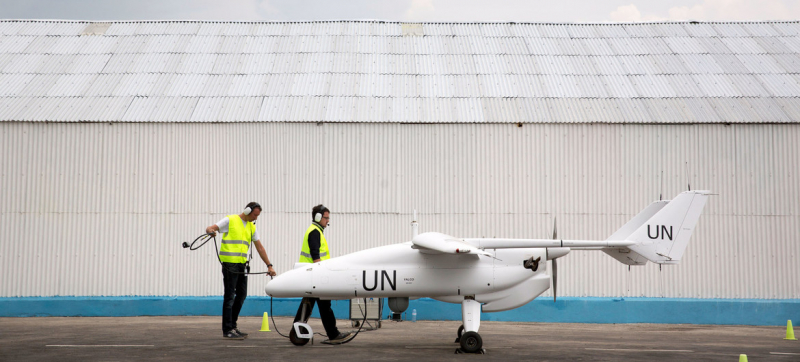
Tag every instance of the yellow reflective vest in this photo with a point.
(305, 253)
(236, 241)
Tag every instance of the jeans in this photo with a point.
(325, 313)
(235, 292)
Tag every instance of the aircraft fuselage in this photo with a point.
(401, 271)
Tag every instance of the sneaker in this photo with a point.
(241, 333)
(231, 334)
(341, 338)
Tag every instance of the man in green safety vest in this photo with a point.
(239, 231)
(315, 249)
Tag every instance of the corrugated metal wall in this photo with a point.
(100, 209)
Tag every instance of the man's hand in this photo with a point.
(271, 271)
(212, 230)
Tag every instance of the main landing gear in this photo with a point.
(468, 337)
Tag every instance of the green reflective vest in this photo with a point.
(236, 241)
(305, 253)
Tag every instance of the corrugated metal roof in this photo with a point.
(320, 71)
(16, 43)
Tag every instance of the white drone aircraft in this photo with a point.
(484, 274)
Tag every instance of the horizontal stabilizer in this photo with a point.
(626, 255)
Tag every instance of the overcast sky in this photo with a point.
(405, 10)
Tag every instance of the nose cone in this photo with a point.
(291, 284)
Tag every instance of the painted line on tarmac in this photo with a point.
(786, 353)
(275, 346)
(641, 350)
(100, 345)
(440, 347)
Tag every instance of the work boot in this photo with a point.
(341, 338)
(240, 332)
(231, 334)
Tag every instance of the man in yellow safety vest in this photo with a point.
(239, 231)
(315, 249)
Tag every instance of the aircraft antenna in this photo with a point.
(628, 281)
(414, 225)
(688, 182)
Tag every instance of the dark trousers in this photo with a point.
(235, 292)
(325, 313)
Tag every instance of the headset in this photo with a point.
(319, 210)
(249, 208)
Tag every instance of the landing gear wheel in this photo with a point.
(471, 342)
(298, 341)
(460, 331)
(355, 324)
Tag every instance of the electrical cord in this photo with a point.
(209, 236)
(204, 238)
(380, 313)
(272, 317)
(362, 322)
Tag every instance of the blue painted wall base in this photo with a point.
(565, 310)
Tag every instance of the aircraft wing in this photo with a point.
(446, 244)
(493, 243)
(441, 243)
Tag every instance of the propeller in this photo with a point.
(555, 269)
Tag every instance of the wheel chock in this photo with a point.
(460, 351)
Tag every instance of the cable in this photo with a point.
(362, 322)
(272, 317)
(191, 246)
(205, 238)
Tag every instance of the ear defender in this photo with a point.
(318, 211)
(248, 209)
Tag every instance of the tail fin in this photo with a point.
(661, 231)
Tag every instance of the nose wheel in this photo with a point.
(297, 341)
(301, 332)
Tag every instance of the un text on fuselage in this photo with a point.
(385, 279)
(660, 233)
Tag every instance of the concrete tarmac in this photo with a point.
(200, 339)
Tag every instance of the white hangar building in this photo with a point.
(120, 140)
